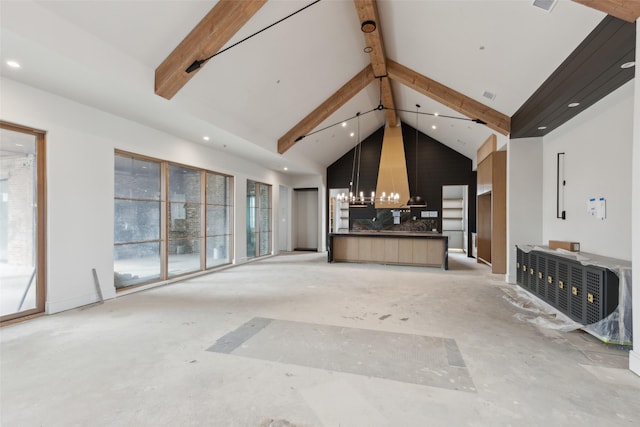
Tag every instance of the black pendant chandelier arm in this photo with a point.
(436, 115)
(416, 155)
(336, 124)
(382, 107)
(198, 62)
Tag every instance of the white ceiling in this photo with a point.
(104, 53)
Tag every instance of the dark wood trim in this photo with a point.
(590, 73)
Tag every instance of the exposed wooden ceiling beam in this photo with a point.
(449, 97)
(368, 11)
(206, 38)
(622, 9)
(328, 107)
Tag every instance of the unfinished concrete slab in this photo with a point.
(411, 358)
(142, 360)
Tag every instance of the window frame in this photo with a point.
(165, 206)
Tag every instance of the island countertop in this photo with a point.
(428, 249)
(387, 233)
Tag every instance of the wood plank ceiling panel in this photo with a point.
(206, 38)
(368, 11)
(328, 107)
(622, 9)
(455, 100)
(590, 73)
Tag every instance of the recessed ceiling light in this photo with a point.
(206, 138)
(434, 127)
(542, 127)
(13, 64)
(18, 145)
(285, 168)
(628, 64)
(352, 134)
(344, 124)
(436, 114)
(573, 104)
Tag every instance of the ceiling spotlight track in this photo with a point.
(198, 62)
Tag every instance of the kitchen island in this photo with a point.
(428, 249)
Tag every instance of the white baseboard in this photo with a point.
(56, 306)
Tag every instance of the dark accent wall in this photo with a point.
(438, 165)
(590, 73)
(339, 173)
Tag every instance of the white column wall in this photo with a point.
(634, 355)
(597, 145)
(80, 147)
(524, 197)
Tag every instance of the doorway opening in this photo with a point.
(455, 217)
(305, 219)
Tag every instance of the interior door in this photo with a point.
(305, 213)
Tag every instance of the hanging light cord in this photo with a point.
(359, 152)
(353, 168)
(198, 62)
(416, 156)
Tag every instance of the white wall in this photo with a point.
(80, 146)
(634, 355)
(598, 145)
(524, 197)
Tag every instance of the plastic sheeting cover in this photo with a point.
(616, 328)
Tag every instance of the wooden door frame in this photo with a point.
(41, 223)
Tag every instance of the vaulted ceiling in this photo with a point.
(301, 75)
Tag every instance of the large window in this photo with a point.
(169, 220)
(137, 213)
(219, 220)
(259, 231)
(185, 224)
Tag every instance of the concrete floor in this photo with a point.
(143, 359)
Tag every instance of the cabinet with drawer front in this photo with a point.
(585, 293)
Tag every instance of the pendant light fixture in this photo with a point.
(416, 201)
(356, 198)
